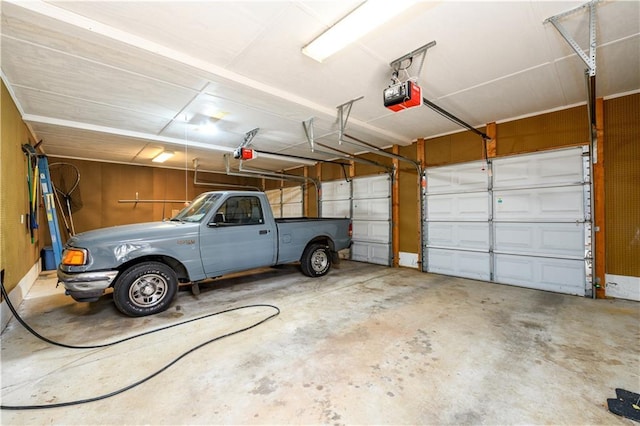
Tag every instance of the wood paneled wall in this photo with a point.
(18, 253)
(622, 185)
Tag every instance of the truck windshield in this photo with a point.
(198, 208)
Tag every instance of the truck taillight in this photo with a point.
(74, 257)
(350, 229)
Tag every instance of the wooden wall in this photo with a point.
(18, 254)
(104, 185)
(622, 185)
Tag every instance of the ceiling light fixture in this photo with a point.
(361, 20)
(163, 156)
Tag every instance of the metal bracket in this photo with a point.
(422, 50)
(248, 137)
(308, 131)
(344, 111)
(590, 59)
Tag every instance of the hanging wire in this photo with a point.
(186, 170)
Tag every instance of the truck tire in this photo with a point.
(145, 289)
(315, 261)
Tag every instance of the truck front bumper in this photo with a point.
(86, 286)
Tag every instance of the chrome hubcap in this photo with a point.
(319, 261)
(148, 290)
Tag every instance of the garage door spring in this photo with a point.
(143, 380)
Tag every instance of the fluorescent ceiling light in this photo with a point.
(364, 18)
(162, 157)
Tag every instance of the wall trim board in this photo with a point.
(622, 287)
(621, 95)
(18, 293)
(408, 260)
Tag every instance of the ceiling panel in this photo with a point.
(22, 24)
(71, 76)
(217, 31)
(51, 105)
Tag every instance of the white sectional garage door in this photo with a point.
(336, 199)
(371, 202)
(286, 202)
(457, 212)
(541, 211)
(367, 200)
(527, 223)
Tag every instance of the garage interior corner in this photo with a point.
(366, 344)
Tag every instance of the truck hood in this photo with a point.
(110, 247)
(132, 233)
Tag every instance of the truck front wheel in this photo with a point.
(145, 289)
(315, 261)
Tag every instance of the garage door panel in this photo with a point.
(371, 231)
(371, 187)
(292, 210)
(338, 208)
(460, 178)
(277, 210)
(473, 265)
(370, 252)
(543, 239)
(540, 169)
(559, 275)
(292, 195)
(273, 195)
(451, 207)
(459, 235)
(336, 190)
(540, 204)
(376, 209)
(367, 200)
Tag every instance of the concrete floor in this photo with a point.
(363, 345)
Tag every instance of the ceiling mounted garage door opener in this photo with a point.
(402, 95)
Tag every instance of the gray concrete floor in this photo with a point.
(363, 345)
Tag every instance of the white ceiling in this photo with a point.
(121, 81)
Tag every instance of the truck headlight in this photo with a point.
(74, 256)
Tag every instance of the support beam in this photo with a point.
(492, 143)
(599, 203)
(319, 189)
(421, 155)
(305, 201)
(395, 208)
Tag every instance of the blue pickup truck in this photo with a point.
(218, 233)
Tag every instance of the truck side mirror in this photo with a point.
(217, 220)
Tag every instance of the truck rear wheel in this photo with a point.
(145, 289)
(315, 261)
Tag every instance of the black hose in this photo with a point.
(139, 382)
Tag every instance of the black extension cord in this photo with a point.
(139, 382)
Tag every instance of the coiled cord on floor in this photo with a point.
(143, 380)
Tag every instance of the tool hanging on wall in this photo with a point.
(32, 184)
(65, 178)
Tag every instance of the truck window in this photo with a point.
(241, 211)
(195, 211)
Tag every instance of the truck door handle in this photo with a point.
(264, 231)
